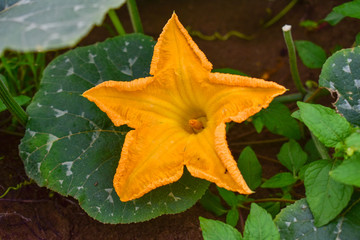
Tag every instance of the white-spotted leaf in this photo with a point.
(39, 25)
(341, 74)
(72, 147)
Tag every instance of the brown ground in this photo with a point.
(37, 213)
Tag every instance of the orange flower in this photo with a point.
(179, 117)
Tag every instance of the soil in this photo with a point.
(32, 212)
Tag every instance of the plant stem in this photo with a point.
(292, 59)
(134, 16)
(289, 98)
(11, 104)
(320, 147)
(271, 200)
(280, 14)
(116, 22)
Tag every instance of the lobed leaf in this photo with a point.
(341, 74)
(326, 197)
(72, 147)
(39, 25)
(296, 222)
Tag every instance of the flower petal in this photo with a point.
(175, 48)
(203, 161)
(135, 103)
(151, 157)
(236, 98)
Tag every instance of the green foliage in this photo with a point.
(328, 126)
(349, 171)
(72, 147)
(297, 222)
(333, 18)
(259, 225)
(250, 168)
(45, 25)
(326, 197)
(21, 100)
(349, 9)
(277, 118)
(279, 180)
(312, 55)
(292, 156)
(217, 230)
(212, 203)
(232, 217)
(341, 74)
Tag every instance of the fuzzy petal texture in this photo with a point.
(179, 117)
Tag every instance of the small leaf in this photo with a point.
(250, 168)
(349, 171)
(312, 55)
(229, 196)
(44, 25)
(328, 126)
(229, 70)
(277, 118)
(21, 100)
(259, 225)
(216, 230)
(258, 123)
(279, 180)
(326, 197)
(349, 9)
(212, 203)
(271, 207)
(296, 222)
(333, 18)
(341, 74)
(232, 217)
(292, 156)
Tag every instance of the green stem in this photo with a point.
(11, 104)
(134, 16)
(292, 59)
(116, 22)
(320, 147)
(289, 98)
(280, 14)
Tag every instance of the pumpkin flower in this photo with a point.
(179, 115)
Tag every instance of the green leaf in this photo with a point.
(292, 156)
(212, 203)
(277, 118)
(312, 152)
(333, 18)
(21, 100)
(44, 25)
(232, 217)
(296, 222)
(229, 70)
(271, 207)
(229, 196)
(349, 9)
(250, 168)
(312, 55)
(326, 197)
(328, 126)
(349, 171)
(216, 230)
(352, 143)
(341, 74)
(259, 225)
(279, 180)
(72, 147)
(258, 124)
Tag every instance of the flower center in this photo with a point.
(198, 124)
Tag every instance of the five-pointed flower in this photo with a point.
(179, 116)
